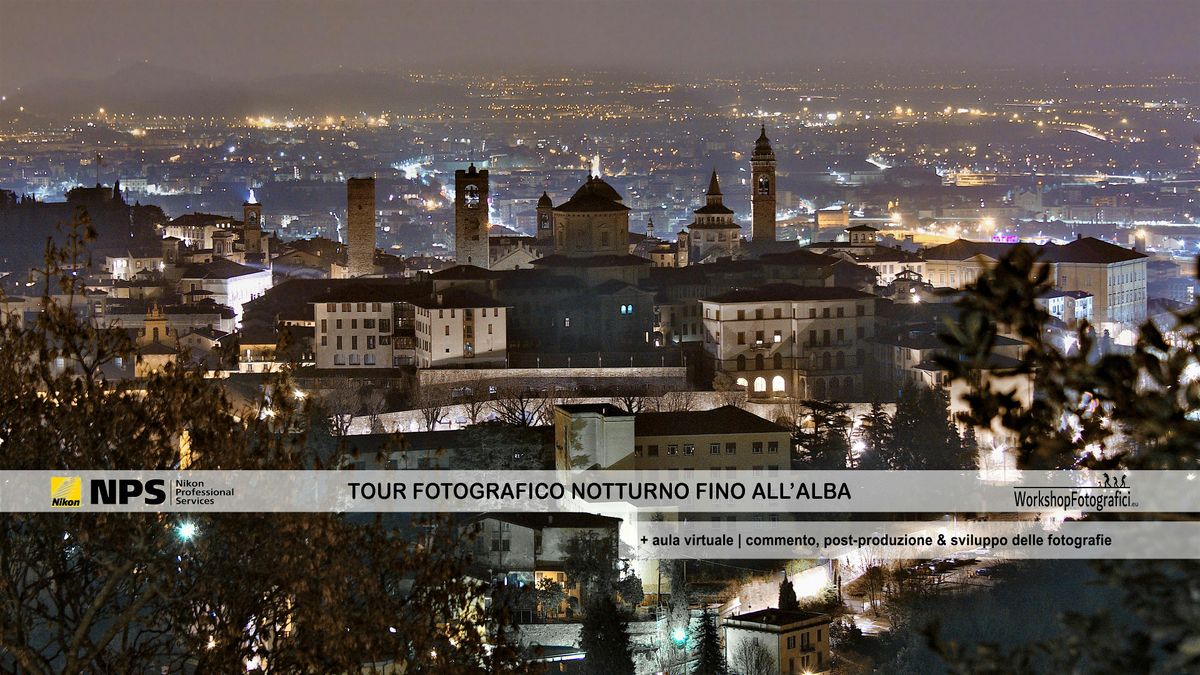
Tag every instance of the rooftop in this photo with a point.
(788, 292)
(724, 420)
(780, 617)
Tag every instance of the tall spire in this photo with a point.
(714, 186)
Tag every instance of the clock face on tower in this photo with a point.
(471, 196)
(764, 185)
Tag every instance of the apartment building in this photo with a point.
(459, 327)
(797, 641)
(601, 435)
(1115, 277)
(359, 325)
(789, 341)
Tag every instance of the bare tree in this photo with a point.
(372, 403)
(340, 400)
(752, 658)
(677, 401)
(633, 398)
(432, 404)
(519, 406)
(475, 399)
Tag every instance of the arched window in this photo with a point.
(841, 360)
(760, 384)
(758, 362)
(818, 389)
(741, 362)
(777, 362)
(777, 383)
(825, 361)
(741, 382)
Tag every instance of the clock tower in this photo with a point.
(471, 217)
(762, 201)
(252, 228)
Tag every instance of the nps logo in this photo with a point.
(66, 492)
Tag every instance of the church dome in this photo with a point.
(595, 195)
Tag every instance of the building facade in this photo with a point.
(789, 341)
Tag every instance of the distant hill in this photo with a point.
(149, 89)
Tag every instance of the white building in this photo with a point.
(784, 340)
(226, 282)
(458, 327)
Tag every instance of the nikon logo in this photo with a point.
(66, 492)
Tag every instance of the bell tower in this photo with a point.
(252, 228)
(545, 220)
(762, 202)
(471, 217)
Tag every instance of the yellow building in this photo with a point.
(797, 641)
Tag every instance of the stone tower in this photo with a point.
(471, 217)
(545, 220)
(360, 226)
(762, 201)
(252, 229)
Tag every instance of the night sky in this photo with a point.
(258, 38)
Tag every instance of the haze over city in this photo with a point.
(621, 338)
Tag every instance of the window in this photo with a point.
(652, 451)
(756, 447)
(362, 307)
(637, 451)
(368, 323)
(375, 307)
(338, 324)
(714, 448)
(447, 330)
(689, 449)
(353, 342)
(369, 360)
(370, 342)
(324, 340)
(331, 307)
(741, 338)
(353, 324)
(345, 307)
(772, 446)
(778, 336)
(672, 449)
(841, 311)
(339, 343)
(731, 448)
(385, 325)
(778, 313)
(324, 325)
(339, 360)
